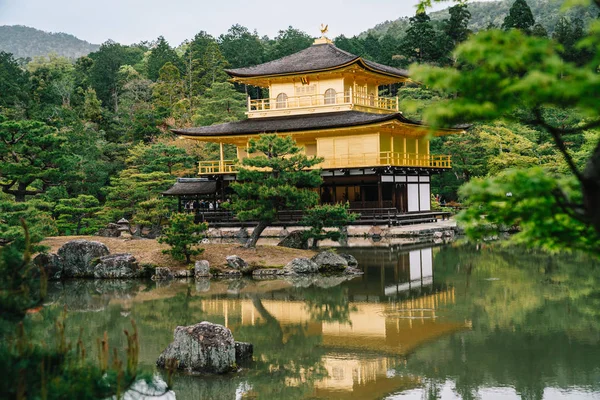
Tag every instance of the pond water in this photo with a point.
(451, 322)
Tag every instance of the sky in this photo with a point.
(131, 21)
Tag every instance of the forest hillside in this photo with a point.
(26, 42)
(485, 14)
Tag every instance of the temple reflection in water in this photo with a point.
(364, 346)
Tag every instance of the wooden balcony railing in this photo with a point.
(217, 167)
(322, 100)
(386, 158)
(382, 159)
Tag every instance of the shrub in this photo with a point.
(183, 235)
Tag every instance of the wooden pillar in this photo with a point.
(379, 193)
(221, 161)
(417, 150)
(248, 103)
(334, 197)
(391, 149)
(362, 194)
(404, 150)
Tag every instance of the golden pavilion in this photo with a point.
(328, 101)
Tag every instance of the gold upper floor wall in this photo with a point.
(350, 88)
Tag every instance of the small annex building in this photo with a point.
(328, 101)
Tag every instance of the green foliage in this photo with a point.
(103, 74)
(519, 17)
(77, 215)
(221, 103)
(457, 27)
(92, 106)
(533, 200)
(20, 287)
(31, 153)
(241, 47)
(568, 33)
(491, 14)
(160, 54)
(13, 82)
(169, 89)
(36, 214)
(422, 44)
(522, 78)
(274, 180)
(129, 189)
(160, 157)
(288, 42)
(318, 218)
(183, 235)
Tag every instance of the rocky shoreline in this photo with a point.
(87, 259)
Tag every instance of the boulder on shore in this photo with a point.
(330, 262)
(162, 274)
(117, 266)
(301, 265)
(202, 269)
(51, 264)
(203, 348)
(237, 263)
(350, 259)
(79, 257)
(294, 240)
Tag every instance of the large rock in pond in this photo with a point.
(117, 266)
(204, 348)
(301, 265)
(294, 240)
(51, 264)
(330, 262)
(202, 269)
(79, 257)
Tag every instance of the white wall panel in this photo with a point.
(413, 198)
(425, 197)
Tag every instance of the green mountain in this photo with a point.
(25, 42)
(546, 12)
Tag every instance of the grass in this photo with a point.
(149, 251)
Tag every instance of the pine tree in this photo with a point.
(221, 103)
(77, 214)
(539, 31)
(32, 158)
(519, 17)
(161, 54)
(326, 216)
(277, 179)
(457, 26)
(422, 44)
(183, 235)
(168, 91)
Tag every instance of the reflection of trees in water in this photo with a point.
(535, 323)
(288, 359)
(329, 305)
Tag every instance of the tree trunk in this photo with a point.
(591, 189)
(251, 243)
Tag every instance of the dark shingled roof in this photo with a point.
(191, 186)
(340, 119)
(315, 58)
